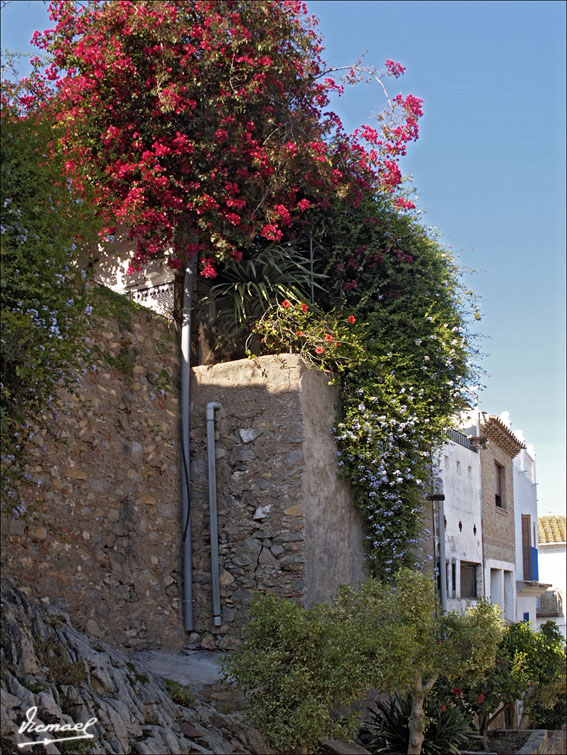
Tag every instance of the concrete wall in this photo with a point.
(102, 535)
(333, 526)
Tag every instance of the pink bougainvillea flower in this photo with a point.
(304, 307)
(319, 350)
(208, 270)
(286, 304)
(328, 338)
(351, 319)
(395, 69)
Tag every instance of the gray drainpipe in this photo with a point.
(439, 498)
(185, 457)
(443, 568)
(211, 406)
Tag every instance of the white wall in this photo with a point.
(151, 287)
(525, 502)
(552, 562)
(460, 472)
(499, 580)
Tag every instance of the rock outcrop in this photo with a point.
(49, 665)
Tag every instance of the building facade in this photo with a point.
(490, 509)
(459, 467)
(552, 565)
(528, 587)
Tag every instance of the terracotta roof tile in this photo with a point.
(551, 529)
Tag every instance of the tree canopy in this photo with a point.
(202, 125)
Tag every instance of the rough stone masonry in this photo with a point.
(102, 536)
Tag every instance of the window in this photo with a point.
(468, 580)
(499, 485)
(453, 579)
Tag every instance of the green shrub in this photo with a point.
(298, 672)
(43, 301)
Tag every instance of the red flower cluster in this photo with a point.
(395, 69)
(192, 139)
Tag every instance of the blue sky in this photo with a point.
(489, 170)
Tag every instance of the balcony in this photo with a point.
(549, 604)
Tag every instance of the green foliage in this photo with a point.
(548, 709)
(325, 340)
(43, 301)
(295, 665)
(447, 732)
(401, 634)
(402, 288)
(243, 291)
(247, 288)
(179, 693)
(302, 668)
(56, 658)
(529, 667)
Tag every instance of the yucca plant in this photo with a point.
(447, 731)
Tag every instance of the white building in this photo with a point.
(552, 563)
(459, 467)
(528, 587)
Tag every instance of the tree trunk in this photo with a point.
(416, 722)
(483, 729)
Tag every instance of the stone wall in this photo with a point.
(286, 522)
(102, 534)
(100, 537)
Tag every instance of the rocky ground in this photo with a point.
(48, 664)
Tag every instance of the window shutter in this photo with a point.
(526, 546)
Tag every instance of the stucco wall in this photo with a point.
(333, 526)
(102, 535)
(525, 502)
(463, 513)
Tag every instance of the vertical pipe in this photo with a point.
(185, 457)
(211, 406)
(442, 566)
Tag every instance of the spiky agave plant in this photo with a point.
(446, 733)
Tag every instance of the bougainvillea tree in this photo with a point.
(201, 126)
